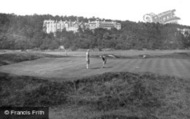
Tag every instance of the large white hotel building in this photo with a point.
(51, 26)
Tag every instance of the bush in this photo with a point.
(152, 95)
(47, 95)
(148, 95)
(31, 91)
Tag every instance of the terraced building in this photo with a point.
(52, 26)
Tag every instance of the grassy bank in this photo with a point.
(10, 58)
(119, 95)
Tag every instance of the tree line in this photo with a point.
(26, 32)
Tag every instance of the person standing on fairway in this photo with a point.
(87, 59)
(104, 59)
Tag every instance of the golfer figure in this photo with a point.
(87, 59)
(104, 60)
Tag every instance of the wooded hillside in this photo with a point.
(26, 32)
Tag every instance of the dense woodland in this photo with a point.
(26, 32)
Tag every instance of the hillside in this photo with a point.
(26, 32)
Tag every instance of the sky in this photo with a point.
(132, 10)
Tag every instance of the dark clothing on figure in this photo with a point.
(104, 59)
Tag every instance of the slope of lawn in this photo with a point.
(120, 95)
(15, 57)
(57, 68)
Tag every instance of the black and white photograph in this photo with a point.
(94, 59)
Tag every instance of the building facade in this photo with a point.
(104, 24)
(51, 26)
(163, 18)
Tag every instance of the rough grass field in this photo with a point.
(73, 66)
(119, 95)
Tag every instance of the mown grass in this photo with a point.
(142, 95)
(180, 55)
(9, 58)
